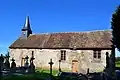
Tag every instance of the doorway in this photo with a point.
(74, 66)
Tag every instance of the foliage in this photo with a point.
(115, 25)
(117, 59)
(117, 63)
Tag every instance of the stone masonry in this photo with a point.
(42, 57)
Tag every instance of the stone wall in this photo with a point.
(43, 56)
(88, 61)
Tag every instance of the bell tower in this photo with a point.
(26, 30)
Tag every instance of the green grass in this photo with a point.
(54, 72)
(41, 74)
(117, 64)
(36, 76)
(99, 70)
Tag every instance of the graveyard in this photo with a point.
(9, 71)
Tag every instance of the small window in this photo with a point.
(97, 54)
(63, 55)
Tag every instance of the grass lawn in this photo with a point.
(117, 64)
(36, 76)
(54, 72)
(41, 74)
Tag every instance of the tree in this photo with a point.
(115, 25)
(117, 59)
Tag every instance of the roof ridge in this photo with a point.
(70, 32)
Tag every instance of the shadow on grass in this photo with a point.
(40, 74)
(35, 76)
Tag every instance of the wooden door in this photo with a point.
(22, 62)
(74, 66)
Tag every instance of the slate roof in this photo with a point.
(95, 39)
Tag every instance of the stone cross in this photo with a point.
(1, 64)
(32, 58)
(1, 61)
(26, 61)
(88, 71)
(7, 56)
(51, 63)
(59, 66)
(13, 65)
(32, 66)
(7, 63)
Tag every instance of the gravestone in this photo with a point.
(7, 63)
(1, 65)
(32, 66)
(50, 63)
(13, 65)
(1, 61)
(59, 65)
(88, 71)
(26, 65)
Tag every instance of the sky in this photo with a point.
(53, 16)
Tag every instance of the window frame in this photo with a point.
(63, 55)
(97, 54)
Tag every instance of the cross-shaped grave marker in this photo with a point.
(1, 64)
(26, 61)
(7, 63)
(31, 59)
(32, 66)
(59, 66)
(13, 65)
(50, 63)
